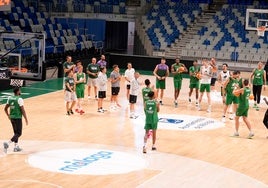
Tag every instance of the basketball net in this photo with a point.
(260, 31)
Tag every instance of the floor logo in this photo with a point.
(186, 122)
(86, 161)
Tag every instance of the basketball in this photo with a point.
(198, 76)
(236, 93)
(181, 69)
(251, 97)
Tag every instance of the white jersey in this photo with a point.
(129, 74)
(206, 73)
(134, 87)
(224, 76)
(102, 81)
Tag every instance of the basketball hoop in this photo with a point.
(261, 30)
(16, 82)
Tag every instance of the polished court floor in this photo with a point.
(105, 150)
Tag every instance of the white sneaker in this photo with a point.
(231, 117)
(88, 97)
(235, 135)
(100, 111)
(223, 119)
(196, 103)
(250, 135)
(209, 109)
(198, 107)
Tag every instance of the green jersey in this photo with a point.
(94, 68)
(177, 76)
(258, 77)
(71, 83)
(243, 98)
(80, 76)
(145, 92)
(231, 85)
(151, 112)
(194, 70)
(67, 65)
(15, 102)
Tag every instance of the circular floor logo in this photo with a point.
(186, 122)
(86, 161)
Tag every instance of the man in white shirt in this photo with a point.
(134, 91)
(129, 75)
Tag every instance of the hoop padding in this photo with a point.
(260, 31)
(16, 82)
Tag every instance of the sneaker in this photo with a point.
(133, 116)
(100, 111)
(235, 135)
(250, 135)
(223, 119)
(231, 117)
(17, 149)
(144, 149)
(5, 144)
(154, 148)
(77, 110)
(196, 103)
(82, 111)
(88, 97)
(176, 104)
(209, 109)
(160, 102)
(68, 113)
(190, 101)
(71, 111)
(255, 106)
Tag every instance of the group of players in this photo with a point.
(234, 90)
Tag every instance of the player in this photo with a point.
(228, 87)
(194, 81)
(223, 76)
(214, 75)
(177, 69)
(206, 73)
(80, 80)
(14, 110)
(70, 95)
(68, 66)
(259, 79)
(151, 113)
(92, 71)
(102, 82)
(243, 106)
(134, 91)
(129, 75)
(265, 118)
(102, 62)
(161, 72)
(146, 90)
(115, 78)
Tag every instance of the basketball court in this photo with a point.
(194, 148)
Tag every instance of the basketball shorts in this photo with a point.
(213, 81)
(230, 98)
(150, 126)
(177, 84)
(160, 84)
(102, 94)
(70, 96)
(80, 93)
(115, 90)
(92, 82)
(205, 87)
(242, 111)
(132, 99)
(194, 85)
(128, 86)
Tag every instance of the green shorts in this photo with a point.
(160, 84)
(242, 111)
(177, 84)
(205, 87)
(194, 85)
(150, 126)
(80, 93)
(230, 98)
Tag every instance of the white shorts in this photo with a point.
(69, 96)
(92, 82)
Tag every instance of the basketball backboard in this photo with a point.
(256, 18)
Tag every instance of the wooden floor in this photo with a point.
(184, 158)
